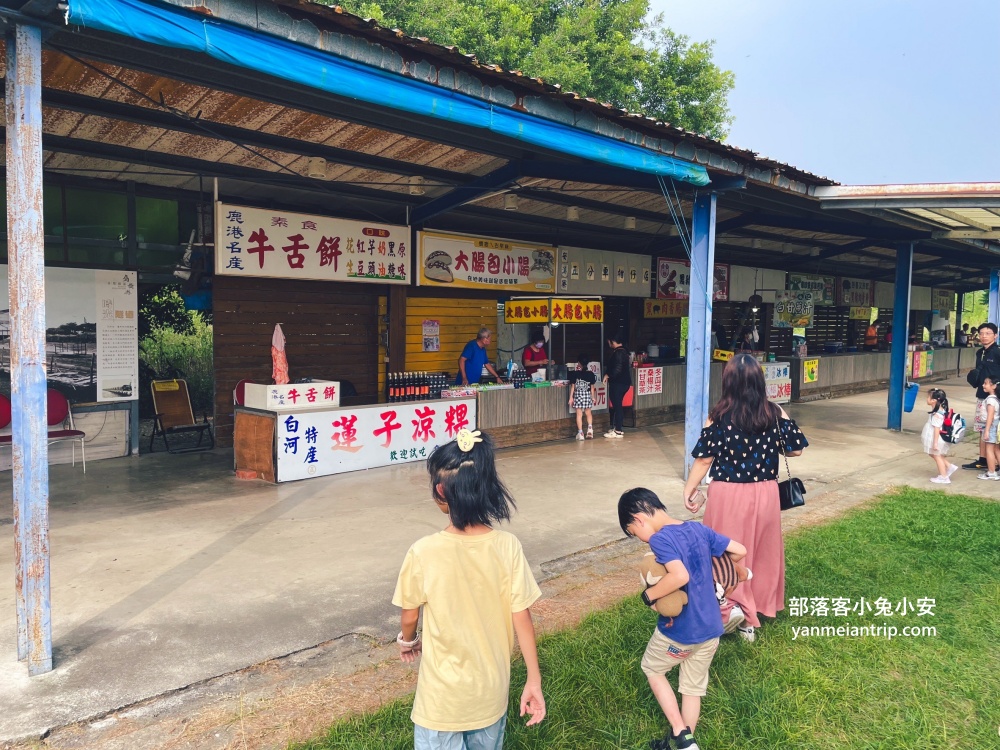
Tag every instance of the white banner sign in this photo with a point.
(284, 245)
(778, 378)
(650, 380)
(322, 442)
(117, 336)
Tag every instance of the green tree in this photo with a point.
(611, 50)
(163, 307)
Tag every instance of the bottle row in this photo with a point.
(414, 386)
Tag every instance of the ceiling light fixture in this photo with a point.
(510, 202)
(572, 213)
(814, 252)
(317, 168)
(630, 222)
(417, 185)
(755, 243)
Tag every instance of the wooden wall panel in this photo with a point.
(331, 332)
(460, 321)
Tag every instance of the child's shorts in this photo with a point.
(489, 738)
(979, 423)
(663, 654)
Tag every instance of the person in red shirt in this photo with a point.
(534, 355)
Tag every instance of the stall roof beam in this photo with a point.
(490, 183)
(187, 165)
(281, 58)
(148, 117)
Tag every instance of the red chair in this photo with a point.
(5, 417)
(240, 392)
(60, 414)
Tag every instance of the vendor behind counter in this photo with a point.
(534, 356)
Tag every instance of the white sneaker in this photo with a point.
(944, 479)
(748, 633)
(579, 435)
(989, 475)
(952, 468)
(612, 434)
(736, 618)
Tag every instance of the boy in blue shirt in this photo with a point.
(685, 549)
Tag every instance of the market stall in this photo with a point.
(281, 435)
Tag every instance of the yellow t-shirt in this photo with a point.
(469, 587)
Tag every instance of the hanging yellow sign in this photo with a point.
(561, 310)
(665, 308)
(722, 355)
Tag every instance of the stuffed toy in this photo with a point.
(726, 574)
(651, 572)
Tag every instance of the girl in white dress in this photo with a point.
(934, 445)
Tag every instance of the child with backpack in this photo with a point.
(934, 443)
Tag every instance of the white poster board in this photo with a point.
(650, 380)
(284, 245)
(91, 333)
(322, 442)
(117, 336)
(778, 378)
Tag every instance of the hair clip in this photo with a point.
(466, 439)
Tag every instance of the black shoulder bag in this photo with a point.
(791, 492)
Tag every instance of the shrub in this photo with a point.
(164, 353)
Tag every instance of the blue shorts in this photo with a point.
(488, 738)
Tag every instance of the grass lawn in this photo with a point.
(814, 692)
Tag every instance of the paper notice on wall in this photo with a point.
(117, 336)
(431, 330)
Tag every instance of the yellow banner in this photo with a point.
(463, 261)
(860, 313)
(810, 371)
(722, 355)
(562, 311)
(665, 308)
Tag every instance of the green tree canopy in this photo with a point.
(611, 50)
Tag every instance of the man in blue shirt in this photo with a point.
(474, 357)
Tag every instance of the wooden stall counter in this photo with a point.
(301, 443)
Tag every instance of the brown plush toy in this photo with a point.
(651, 572)
(726, 574)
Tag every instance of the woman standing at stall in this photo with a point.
(534, 356)
(742, 444)
(618, 379)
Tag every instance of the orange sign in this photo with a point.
(665, 308)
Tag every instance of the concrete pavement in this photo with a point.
(166, 571)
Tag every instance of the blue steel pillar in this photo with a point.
(699, 352)
(994, 308)
(900, 334)
(26, 279)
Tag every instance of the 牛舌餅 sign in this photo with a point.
(279, 244)
(467, 262)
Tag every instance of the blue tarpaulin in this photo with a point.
(168, 26)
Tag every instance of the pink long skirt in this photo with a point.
(751, 515)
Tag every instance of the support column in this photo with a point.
(26, 278)
(900, 334)
(699, 352)
(994, 298)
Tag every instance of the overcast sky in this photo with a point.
(861, 91)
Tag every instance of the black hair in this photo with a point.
(619, 337)
(636, 501)
(940, 400)
(991, 326)
(470, 485)
(744, 400)
(584, 359)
